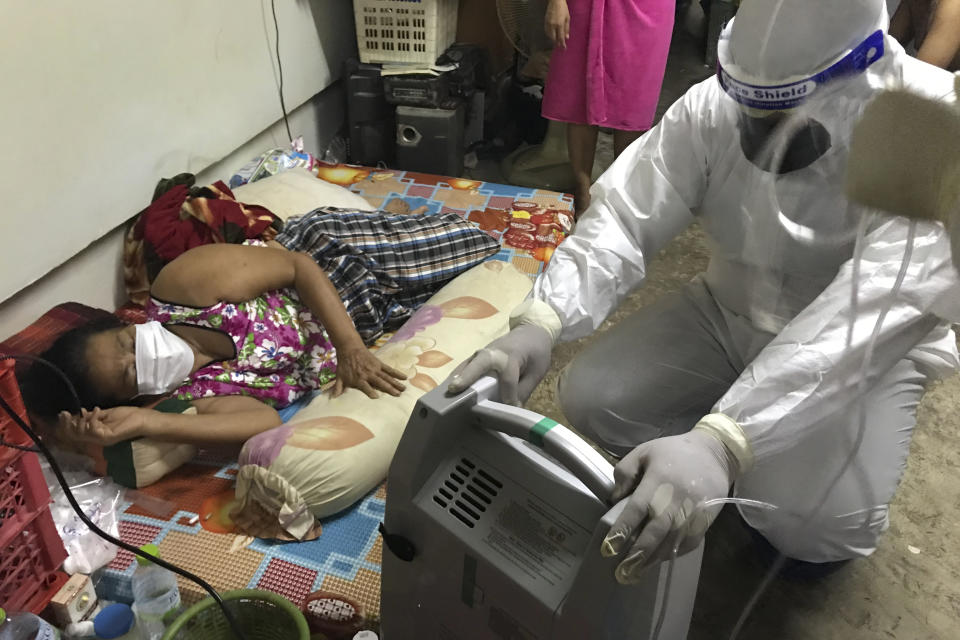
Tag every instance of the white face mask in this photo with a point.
(164, 359)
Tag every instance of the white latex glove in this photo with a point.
(520, 359)
(667, 478)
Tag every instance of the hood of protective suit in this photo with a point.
(774, 41)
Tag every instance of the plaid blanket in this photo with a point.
(386, 266)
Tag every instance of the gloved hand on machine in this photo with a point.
(666, 482)
(520, 359)
(669, 484)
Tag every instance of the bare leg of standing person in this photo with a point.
(582, 145)
(622, 140)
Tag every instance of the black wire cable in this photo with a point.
(18, 447)
(58, 472)
(276, 40)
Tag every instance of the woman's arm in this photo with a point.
(227, 419)
(942, 43)
(224, 419)
(206, 275)
(557, 23)
(214, 273)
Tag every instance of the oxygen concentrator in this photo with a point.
(494, 520)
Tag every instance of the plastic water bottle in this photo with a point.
(156, 597)
(25, 626)
(116, 622)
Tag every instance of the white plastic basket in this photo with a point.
(412, 31)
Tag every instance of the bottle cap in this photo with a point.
(113, 622)
(365, 635)
(152, 550)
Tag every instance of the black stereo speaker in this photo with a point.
(431, 140)
(371, 119)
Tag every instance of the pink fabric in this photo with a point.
(611, 72)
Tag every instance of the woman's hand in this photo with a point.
(105, 426)
(557, 23)
(360, 369)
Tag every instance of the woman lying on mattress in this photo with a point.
(240, 331)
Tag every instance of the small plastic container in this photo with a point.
(156, 596)
(25, 626)
(116, 622)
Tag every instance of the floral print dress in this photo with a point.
(282, 351)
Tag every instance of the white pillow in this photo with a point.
(298, 191)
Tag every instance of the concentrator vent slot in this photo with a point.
(467, 492)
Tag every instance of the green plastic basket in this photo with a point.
(262, 616)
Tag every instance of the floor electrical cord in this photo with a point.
(276, 30)
(42, 449)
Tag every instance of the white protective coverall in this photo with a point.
(761, 337)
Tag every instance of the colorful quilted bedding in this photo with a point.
(345, 558)
(529, 223)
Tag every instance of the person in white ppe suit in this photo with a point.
(748, 379)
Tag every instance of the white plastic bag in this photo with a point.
(99, 498)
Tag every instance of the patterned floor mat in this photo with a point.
(345, 559)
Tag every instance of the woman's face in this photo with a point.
(112, 362)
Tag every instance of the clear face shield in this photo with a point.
(798, 225)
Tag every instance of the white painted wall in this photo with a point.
(102, 98)
(94, 275)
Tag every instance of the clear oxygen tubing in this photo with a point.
(861, 427)
(706, 504)
(858, 441)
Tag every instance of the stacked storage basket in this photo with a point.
(404, 31)
(31, 551)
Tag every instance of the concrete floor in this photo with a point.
(909, 589)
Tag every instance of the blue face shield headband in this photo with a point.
(789, 95)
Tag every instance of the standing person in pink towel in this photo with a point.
(606, 71)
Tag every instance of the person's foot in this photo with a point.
(581, 200)
(397, 206)
(400, 207)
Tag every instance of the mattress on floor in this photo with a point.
(521, 218)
